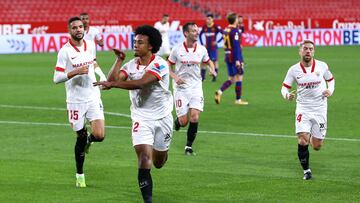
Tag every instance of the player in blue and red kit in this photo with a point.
(233, 59)
(213, 35)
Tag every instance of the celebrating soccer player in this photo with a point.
(315, 83)
(76, 66)
(188, 93)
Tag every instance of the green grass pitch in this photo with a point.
(244, 153)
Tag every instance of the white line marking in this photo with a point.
(56, 109)
(201, 131)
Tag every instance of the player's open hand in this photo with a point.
(104, 85)
(326, 93)
(213, 73)
(120, 54)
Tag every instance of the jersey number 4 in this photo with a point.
(298, 118)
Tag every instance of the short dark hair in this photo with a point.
(72, 19)
(165, 15)
(84, 14)
(154, 36)
(210, 15)
(187, 25)
(231, 17)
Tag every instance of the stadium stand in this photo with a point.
(103, 10)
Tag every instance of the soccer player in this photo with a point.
(188, 94)
(241, 24)
(233, 59)
(147, 77)
(76, 66)
(211, 32)
(315, 83)
(91, 33)
(163, 26)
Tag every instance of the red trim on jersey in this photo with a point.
(302, 67)
(206, 61)
(59, 69)
(84, 45)
(172, 63)
(151, 59)
(73, 45)
(312, 67)
(330, 79)
(287, 86)
(154, 73)
(126, 74)
(186, 48)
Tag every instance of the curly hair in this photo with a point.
(154, 36)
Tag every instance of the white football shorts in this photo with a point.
(78, 113)
(186, 99)
(313, 123)
(157, 133)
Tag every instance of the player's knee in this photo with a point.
(158, 164)
(316, 147)
(99, 134)
(144, 161)
(194, 118)
(183, 121)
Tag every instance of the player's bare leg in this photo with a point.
(316, 143)
(98, 133)
(216, 63)
(181, 121)
(303, 153)
(144, 154)
(159, 158)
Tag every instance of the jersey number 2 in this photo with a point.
(135, 127)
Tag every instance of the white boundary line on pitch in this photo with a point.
(201, 131)
(56, 109)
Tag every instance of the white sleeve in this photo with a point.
(99, 72)
(328, 76)
(97, 34)
(288, 81)
(172, 56)
(59, 73)
(206, 57)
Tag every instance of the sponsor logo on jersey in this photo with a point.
(77, 65)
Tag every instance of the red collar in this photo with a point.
(312, 67)
(186, 48)
(151, 59)
(73, 45)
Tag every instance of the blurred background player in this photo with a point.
(91, 33)
(147, 77)
(188, 92)
(76, 66)
(241, 25)
(213, 35)
(315, 83)
(233, 60)
(164, 26)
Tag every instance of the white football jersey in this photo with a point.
(187, 64)
(311, 82)
(80, 88)
(92, 34)
(163, 29)
(154, 101)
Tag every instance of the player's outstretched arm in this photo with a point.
(146, 80)
(114, 73)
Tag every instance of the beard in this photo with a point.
(76, 38)
(307, 59)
